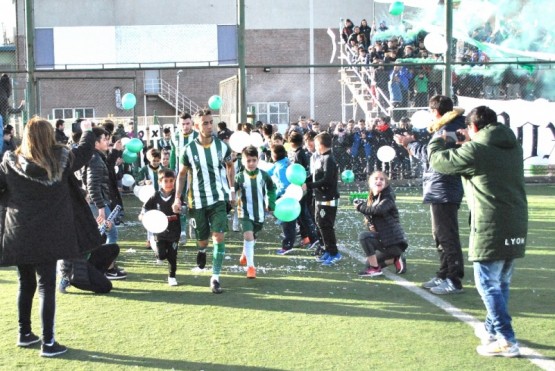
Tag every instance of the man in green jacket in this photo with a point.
(491, 165)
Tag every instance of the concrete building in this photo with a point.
(88, 54)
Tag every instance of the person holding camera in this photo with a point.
(444, 193)
(385, 241)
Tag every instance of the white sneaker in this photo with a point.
(159, 262)
(485, 337)
(499, 348)
(172, 281)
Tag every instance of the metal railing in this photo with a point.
(168, 93)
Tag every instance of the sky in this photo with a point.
(7, 19)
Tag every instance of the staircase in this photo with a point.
(359, 80)
(167, 93)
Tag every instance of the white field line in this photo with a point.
(536, 358)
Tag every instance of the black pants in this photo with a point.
(46, 274)
(97, 265)
(167, 250)
(371, 245)
(325, 220)
(306, 222)
(445, 229)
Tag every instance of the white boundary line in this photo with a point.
(543, 362)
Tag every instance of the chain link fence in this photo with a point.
(290, 72)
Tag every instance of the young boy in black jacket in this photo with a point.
(165, 244)
(326, 196)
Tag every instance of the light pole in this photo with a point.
(177, 98)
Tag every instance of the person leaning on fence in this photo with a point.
(491, 166)
(37, 223)
(208, 165)
(385, 241)
(5, 93)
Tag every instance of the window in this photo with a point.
(68, 113)
(272, 112)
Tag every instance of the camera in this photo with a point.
(340, 130)
(357, 201)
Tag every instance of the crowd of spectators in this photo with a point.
(377, 53)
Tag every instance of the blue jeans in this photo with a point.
(493, 279)
(112, 234)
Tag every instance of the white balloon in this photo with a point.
(421, 119)
(155, 221)
(386, 153)
(294, 191)
(136, 190)
(127, 180)
(256, 139)
(239, 140)
(435, 43)
(125, 140)
(264, 165)
(146, 192)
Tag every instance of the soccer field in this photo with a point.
(297, 315)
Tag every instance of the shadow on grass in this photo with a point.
(376, 299)
(148, 362)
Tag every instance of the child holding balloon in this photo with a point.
(148, 175)
(278, 174)
(252, 186)
(384, 242)
(165, 244)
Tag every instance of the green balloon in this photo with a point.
(128, 101)
(347, 176)
(135, 145)
(129, 157)
(396, 8)
(287, 209)
(215, 102)
(296, 174)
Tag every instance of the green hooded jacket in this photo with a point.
(491, 166)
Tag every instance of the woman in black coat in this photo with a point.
(38, 221)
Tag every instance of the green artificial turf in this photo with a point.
(296, 314)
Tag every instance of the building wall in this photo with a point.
(277, 33)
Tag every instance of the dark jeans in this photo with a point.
(445, 229)
(46, 274)
(289, 233)
(167, 250)
(371, 245)
(306, 222)
(325, 220)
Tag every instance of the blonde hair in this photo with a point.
(370, 194)
(39, 144)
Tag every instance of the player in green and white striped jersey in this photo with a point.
(256, 194)
(180, 140)
(208, 167)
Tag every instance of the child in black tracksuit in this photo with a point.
(165, 243)
(326, 196)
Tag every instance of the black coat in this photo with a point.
(384, 216)
(39, 219)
